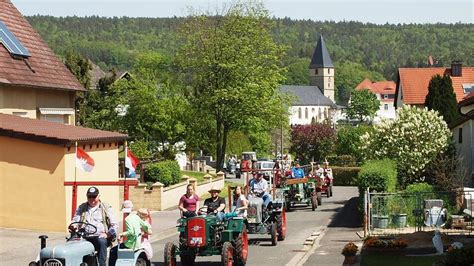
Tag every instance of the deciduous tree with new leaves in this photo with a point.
(413, 139)
(363, 105)
(233, 69)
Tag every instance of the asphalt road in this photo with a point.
(301, 223)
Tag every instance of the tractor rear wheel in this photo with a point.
(170, 254)
(227, 254)
(281, 225)
(188, 260)
(274, 234)
(327, 192)
(319, 198)
(241, 248)
(141, 262)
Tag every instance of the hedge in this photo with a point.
(378, 175)
(165, 172)
(345, 176)
(343, 160)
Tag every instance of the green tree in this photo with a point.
(233, 67)
(363, 105)
(349, 141)
(441, 98)
(238, 143)
(413, 140)
(80, 67)
(348, 76)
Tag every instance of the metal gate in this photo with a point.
(399, 213)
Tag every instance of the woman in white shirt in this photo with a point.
(240, 202)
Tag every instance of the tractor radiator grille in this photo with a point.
(52, 262)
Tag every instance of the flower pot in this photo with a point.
(380, 221)
(400, 220)
(350, 260)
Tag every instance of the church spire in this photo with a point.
(321, 58)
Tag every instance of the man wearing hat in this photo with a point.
(134, 224)
(99, 214)
(215, 204)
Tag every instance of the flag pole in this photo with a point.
(125, 187)
(74, 187)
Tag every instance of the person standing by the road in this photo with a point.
(189, 202)
(100, 215)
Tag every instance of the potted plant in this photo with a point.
(349, 251)
(380, 218)
(398, 210)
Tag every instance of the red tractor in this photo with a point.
(324, 184)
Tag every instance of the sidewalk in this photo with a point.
(19, 247)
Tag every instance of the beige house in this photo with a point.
(34, 83)
(463, 133)
(37, 171)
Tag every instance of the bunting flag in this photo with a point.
(84, 161)
(131, 163)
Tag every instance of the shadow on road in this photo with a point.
(348, 216)
(210, 263)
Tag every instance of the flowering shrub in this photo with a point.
(413, 139)
(350, 249)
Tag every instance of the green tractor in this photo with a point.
(207, 236)
(301, 191)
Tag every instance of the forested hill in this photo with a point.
(114, 42)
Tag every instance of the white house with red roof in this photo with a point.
(412, 83)
(385, 92)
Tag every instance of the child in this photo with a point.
(146, 245)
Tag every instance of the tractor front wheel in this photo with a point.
(170, 254)
(227, 254)
(330, 190)
(241, 248)
(281, 225)
(274, 234)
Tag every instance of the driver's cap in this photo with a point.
(92, 191)
(127, 206)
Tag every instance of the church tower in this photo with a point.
(321, 70)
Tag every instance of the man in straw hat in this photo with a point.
(215, 204)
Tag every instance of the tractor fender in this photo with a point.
(72, 251)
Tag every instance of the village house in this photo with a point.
(385, 92)
(314, 103)
(463, 133)
(412, 83)
(39, 184)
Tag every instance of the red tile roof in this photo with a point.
(415, 81)
(53, 133)
(380, 87)
(46, 71)
(467, 100)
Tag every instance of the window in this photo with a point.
(329, 71)
(306, 113)
(460, 135)
(385, 96)
(468, 88)
(22, 114)
(312, 110)
(385, 106)
(329, 84)
(299, 112)
(316, 71)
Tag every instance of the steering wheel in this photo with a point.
(202, 210)
(84, 229)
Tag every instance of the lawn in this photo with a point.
(397, 260)
(223, 192)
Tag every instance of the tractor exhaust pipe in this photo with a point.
(43, 240)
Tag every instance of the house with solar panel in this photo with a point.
(40, 187)
(314, 103)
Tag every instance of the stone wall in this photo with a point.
(160, 198)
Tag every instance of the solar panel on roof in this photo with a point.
(11, 42)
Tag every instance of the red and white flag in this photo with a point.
(131, 163)
(84, 161)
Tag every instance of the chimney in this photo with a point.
(456, 69)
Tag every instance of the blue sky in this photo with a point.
(374, 11)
